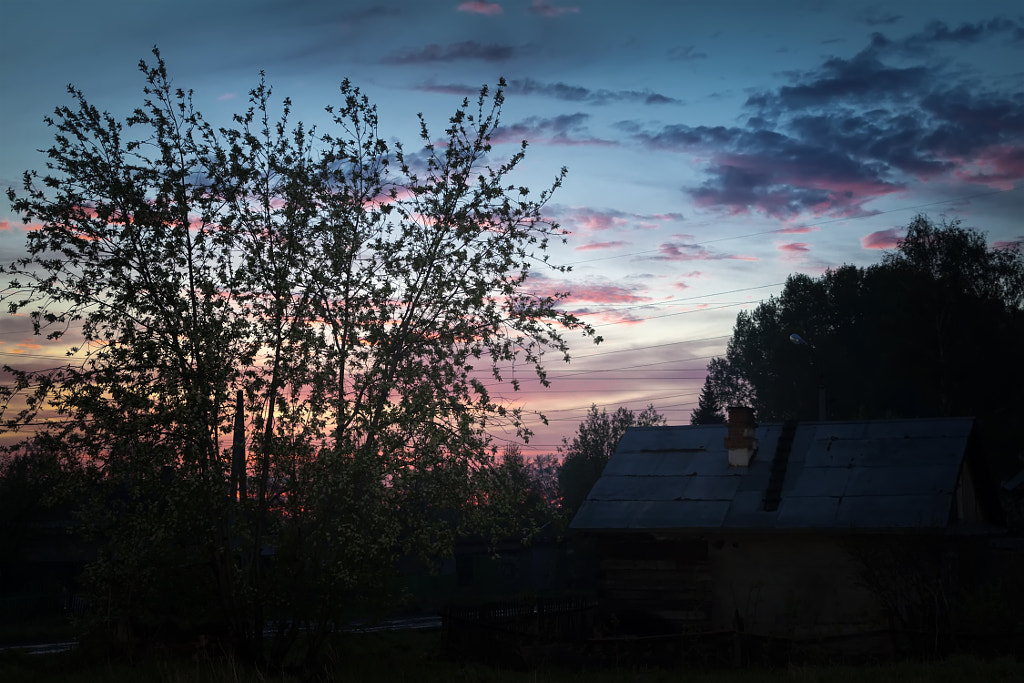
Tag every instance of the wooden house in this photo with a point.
(830, 531)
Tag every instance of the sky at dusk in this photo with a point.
(713, 147)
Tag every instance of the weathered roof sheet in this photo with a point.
(879, 474)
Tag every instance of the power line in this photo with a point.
(626, 307)
(806, 226)
(634, 320)
(569, 375)
(616, 403)
(32, 355)
(628, 378)
(669, 315)
(653, 346)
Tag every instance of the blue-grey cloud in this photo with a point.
(845, 80)
(856, 128)
(546, 9)
(686, 53)
(878, 16)
(940, 32)
(576, 93)
(449, 89)
(561, 91)
(468, 50)
(566, 129)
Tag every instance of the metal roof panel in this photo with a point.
(893, 512)
(692, 514)
(819, 481)
(866, 474)
(901, 479)
(604, 514)
(721, 487)
(631, 463)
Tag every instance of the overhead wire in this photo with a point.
(808, 226)
(613, 308)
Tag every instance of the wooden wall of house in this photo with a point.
(801, 586)
(789, 586)
(654, 586)
(814, 593)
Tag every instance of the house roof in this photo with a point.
(866, 475)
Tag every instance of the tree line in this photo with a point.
(935, 329)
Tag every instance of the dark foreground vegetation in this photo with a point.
(417, 656)
(285, 355)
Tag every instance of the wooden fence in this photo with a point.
(516, 631)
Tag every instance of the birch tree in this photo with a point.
(371, 306)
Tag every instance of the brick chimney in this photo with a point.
(739, 440)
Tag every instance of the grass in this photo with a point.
(412, 656)
(39, 629)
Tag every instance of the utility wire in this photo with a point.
(669, 315)
(626, 307)
(806, 226)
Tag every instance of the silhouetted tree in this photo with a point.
(517, 497)
(934, 329)
(708, 410)
(38, 490)
(357, 296)
(584, 458)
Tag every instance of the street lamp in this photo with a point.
(822, 398)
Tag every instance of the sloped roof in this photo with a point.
(878, 474)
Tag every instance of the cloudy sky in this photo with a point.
(713, 146)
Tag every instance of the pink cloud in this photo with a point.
(798, 230)
(881, 239)
(604, 294)
(7, 225)
(653, 221)
(543, 8)
(681, 284)
(606, 317)
(487, 8)
(582, 219)
(998, 167)
(1010, 244)
(575, 292)
(226, 96)
(795, 247)
(680, 251)
(594, 246)
(595, 221)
